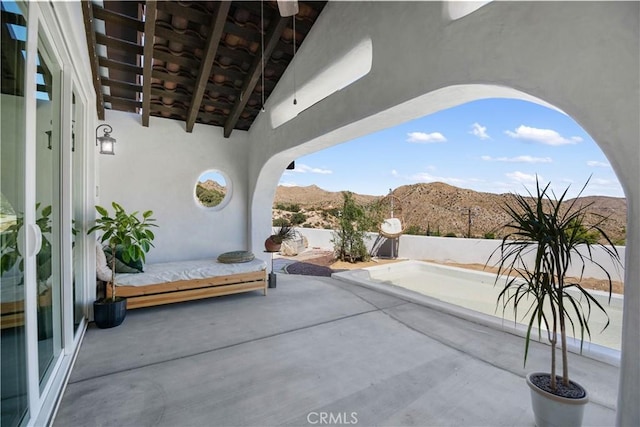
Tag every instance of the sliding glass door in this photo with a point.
(12, 188)
(43, 295)
(48, 207)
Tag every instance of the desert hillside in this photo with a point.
(434, 209)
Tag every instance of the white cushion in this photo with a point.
(103, 272)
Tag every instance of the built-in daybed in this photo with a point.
(169, 282)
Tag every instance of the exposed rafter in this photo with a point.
(118, 18)
(149, 35)
(192, 61)
(122, 45)
(215, 32)
(276, 28)
(120, 84)
(87, 14)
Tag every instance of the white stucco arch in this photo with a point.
(581, 57)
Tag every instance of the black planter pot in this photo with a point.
(108, 313)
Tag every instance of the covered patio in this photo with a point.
(315, 347)
(235, 88)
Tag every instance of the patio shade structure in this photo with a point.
(197, 62)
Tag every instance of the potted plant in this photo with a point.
(282, 234)
(131, 237)
(546, 236)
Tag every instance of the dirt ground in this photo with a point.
(323, 263)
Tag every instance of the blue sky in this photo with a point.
(493, 145)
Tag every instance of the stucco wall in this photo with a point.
(581, 57)
(157, 168)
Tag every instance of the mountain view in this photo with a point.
(435, 209)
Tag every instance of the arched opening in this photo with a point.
(535, 153)
(425, 105)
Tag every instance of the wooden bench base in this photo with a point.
(188, 290)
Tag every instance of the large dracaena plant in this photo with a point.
(553, 230)
(126, 231)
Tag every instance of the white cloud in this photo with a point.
(425, 138)
(302, 168)
(427, 177)
(542, 136)
(597, 164)
(288, 184)
(480, 131)
(523, 177)
(518, 159)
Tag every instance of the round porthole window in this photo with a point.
(213, 189)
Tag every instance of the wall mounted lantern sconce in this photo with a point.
(107, 143)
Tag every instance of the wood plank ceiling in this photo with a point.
(205, 62)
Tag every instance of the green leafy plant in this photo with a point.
(128, 231)
(553, 231)
(348, 239)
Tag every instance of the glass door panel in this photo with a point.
(13, 381)
(48, 275)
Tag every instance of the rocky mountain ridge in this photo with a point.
(434, 208)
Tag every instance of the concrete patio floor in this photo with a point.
(313, 346)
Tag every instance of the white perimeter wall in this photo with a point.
(465, 251)
(157, 168)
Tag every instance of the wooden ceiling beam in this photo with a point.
(213, 40)
(120, 66)
(117, 18)
(120, 84)
(126, 101)
(276, 27)
(87, 15)
(123, 45)
(150, 10)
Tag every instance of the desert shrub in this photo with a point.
(290, 207)
(450, 234)
(582, 235)
(208, 197)
(280, 222)
(334, 212)
(298, 218)
(489, 235)
(414, 230)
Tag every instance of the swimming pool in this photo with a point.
(472, 295)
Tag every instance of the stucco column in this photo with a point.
(628, 411)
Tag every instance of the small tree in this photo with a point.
(127, 231)
(348, 240)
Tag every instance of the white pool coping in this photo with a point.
(380, 279)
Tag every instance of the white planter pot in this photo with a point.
(555, 411)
